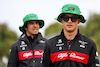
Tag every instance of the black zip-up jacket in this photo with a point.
(27, 52)
(79, 52)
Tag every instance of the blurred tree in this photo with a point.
(92, 29)
(2, 64)
(7, 38)
(53, 30)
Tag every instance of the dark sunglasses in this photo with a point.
(73, 18)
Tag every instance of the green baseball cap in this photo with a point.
(72, 9)
(30, 17)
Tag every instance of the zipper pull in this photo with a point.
(69, 47)
(68, 42)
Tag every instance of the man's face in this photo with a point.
(70, 22)
(32, 27)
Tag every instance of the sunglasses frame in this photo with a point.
(73, 18)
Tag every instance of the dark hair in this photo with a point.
(25, 26)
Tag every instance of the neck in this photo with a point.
(30, 35)
(70, 35)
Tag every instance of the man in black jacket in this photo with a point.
(28, 50)
(70, 48)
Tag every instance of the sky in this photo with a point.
(12, 12)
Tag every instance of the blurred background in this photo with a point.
(13, 11)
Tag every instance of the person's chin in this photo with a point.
(35, 32)
(70, 30)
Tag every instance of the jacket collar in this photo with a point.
(24, 37)
(76, 37)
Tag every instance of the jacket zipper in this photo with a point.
(68, 42)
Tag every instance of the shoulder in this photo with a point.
(88, 40)
(15, 45)
(44, 39)
(52, 41)
(54, 38)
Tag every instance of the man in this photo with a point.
(70, 48)
(28, 50)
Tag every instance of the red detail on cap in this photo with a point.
(74, 56)
(38, 53)
(25, 55)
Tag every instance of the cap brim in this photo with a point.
(21, 28)
(83, 20)
(41, 23)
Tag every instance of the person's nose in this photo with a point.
(69, 20)
(35, 24)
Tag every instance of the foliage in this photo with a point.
(91, 29)
(53, 30)
(7, 38)
(2, 64)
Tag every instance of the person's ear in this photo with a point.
(61, 20)
(25, 28)
(79, 20)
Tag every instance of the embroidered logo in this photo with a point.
(73, 55)
(42, 41)
(33, 15)
(23, 45)
(96, 57)
(62, 55)
(25, 55)
(59, 41)
(38, 53)
(97, 53)
(59, 44)
(83, 44)
(71, 8)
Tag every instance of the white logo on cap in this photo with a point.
(33, 16)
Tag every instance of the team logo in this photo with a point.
(60, 48)
(23, 45)
(83, 44)
(97, 53)
(59, 44)
(97, 65)
(96, 57)
(73, 55)
(59, 41)
(42, 41)
(33, 15)
(62, 55)
(71, 8)
(25, 55)
(38, 53)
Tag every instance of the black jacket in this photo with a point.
(27, 52)
(79, 52)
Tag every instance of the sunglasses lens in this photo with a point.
(74, 19)
(66, 19)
